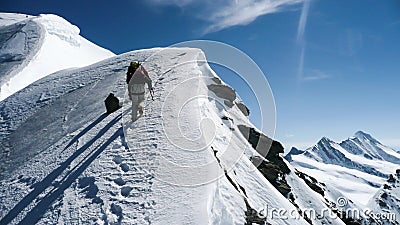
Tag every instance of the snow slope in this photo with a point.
(32, 47)
(387, 199)
(357, 167)
(65, 161)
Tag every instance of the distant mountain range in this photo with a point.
(358, 167)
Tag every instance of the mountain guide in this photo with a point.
(136, 78)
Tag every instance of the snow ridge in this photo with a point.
(34, 47)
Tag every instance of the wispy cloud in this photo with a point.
(300, 36)
(244, 12)
(289, 135)
(315, 75)
(303, 21)
(228, 13)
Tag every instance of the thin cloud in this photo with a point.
(300, 36)
(303, 21)
(289, 135)
(224, 14)
(245, 12)
(315, 75)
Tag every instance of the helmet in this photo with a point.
(135, 64)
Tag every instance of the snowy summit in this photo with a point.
(32, 47)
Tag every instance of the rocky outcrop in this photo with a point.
(243, 108)
(224, 92)
(273, 168)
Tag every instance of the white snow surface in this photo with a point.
(66, 162)
(357, 167)
(41, 45)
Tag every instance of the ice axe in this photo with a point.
(151, 94)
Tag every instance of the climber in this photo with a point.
(136, 78)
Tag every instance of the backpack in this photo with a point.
(112, 103)
(131, 70)
(140, 76)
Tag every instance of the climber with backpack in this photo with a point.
(136, 78)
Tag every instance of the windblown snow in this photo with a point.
(32, 47)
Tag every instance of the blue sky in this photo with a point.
(333, 66)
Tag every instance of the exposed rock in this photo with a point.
(226, 118)
(261, 143)
(274, 168)
(216, 80)
(382, 203)
(252, 216)
(311, 182)
(391, 179)
(243, 108)
(228, 103)
(385, 186)
(224, 92)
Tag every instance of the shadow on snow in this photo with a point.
(36, 213)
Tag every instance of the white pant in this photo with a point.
(135, 98)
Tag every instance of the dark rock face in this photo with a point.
(243, 108)
(216, 80)
(223, 91)
(261, 143)
(228, 103)
(252, 216)
(274, 168)
(311, 182)
(293, 151)
(391, 179)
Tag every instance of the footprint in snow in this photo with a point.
(116, 210)
(117, 159)
(125, 191)
(119, 181)
(124, 167)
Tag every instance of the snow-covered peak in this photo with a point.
(295, 151)
(364, 136)
(58, 26)
(325, 141)
(33, 47)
